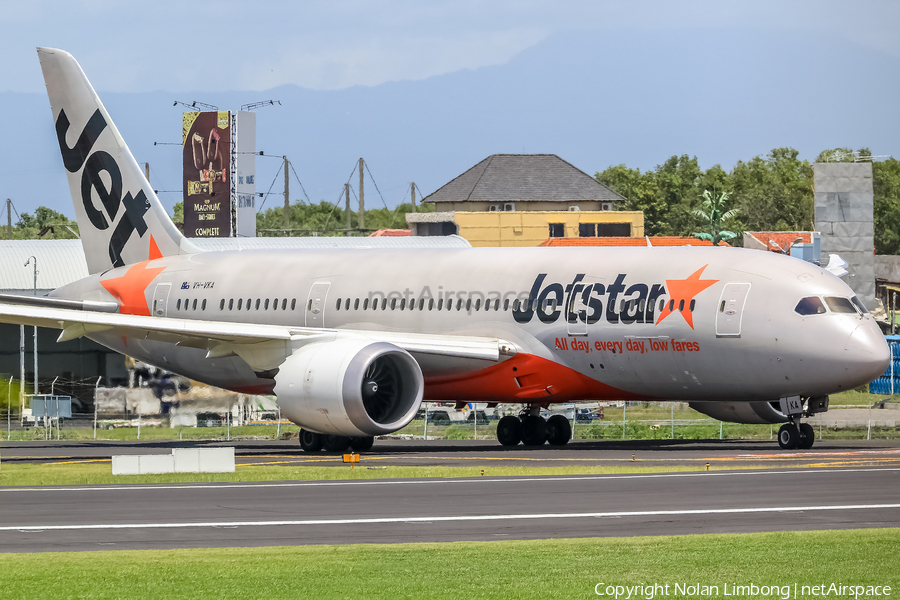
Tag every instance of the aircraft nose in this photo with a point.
(866, 354)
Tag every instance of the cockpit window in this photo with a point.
(859, 305)
(810, 306)
(839, 305)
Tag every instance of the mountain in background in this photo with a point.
(595, 99)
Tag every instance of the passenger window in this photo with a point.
(383, 303)
(231, 304)
(393, 304)
(203, 306)
(431, 304)
(249, 303)
(240, 303)
(309, 304)
(284, 304)
(469, 305)
(838, 304)
(859, 305)
(459, 304)
(692, 305)
(809, 306)
(337, 305)
(681, 305)
(412, 304)
(257, 304)
(671, 305)
(478, 304)
(347, 304)
(293, 303)
(506, 305)
(441, 304)
(421, 303)
(366, 304)
(375, 304)
(178, 304)
(356, 304)
(222, 304)
(275, 304)
(402, 303)
(266, 305)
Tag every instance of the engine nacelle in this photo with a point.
(350, 386)
(750, 413)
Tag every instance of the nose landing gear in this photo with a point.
(795, 435)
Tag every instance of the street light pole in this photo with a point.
(33, 259)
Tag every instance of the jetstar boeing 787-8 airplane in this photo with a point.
(351, 341)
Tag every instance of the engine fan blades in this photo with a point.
(381, 388)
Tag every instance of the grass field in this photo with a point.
(569, 568)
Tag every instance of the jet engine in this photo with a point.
(751, 413)
(350, 387)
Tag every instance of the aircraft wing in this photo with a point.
(224, 338)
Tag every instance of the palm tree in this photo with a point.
(713, 214)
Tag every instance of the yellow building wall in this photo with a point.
(531, 228)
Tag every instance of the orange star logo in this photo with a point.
(130, 289)
(681, 292)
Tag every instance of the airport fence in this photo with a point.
(643, 422)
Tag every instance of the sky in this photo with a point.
(209, 46)
(425, 90)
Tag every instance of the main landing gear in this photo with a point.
(533, 430)
(313, 442)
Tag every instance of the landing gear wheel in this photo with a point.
(534, 430)
(361, 443)
(509, 431)
(807, 436)
(789, 436)
(335, 443)
(310, 441)
(559, 432)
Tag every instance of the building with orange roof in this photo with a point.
(391, 233)
(656, 241)
(776, 241)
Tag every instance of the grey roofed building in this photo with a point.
(538, 181)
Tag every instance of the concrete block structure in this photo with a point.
(844, 204)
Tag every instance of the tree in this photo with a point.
(45, 224)
(886, 187)
(713, 215)
(774, 193)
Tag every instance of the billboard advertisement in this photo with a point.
(206, 153)
(245, 173)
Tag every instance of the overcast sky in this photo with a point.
(241, 45)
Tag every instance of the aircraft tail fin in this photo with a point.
(119, 216)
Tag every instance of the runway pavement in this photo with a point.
(681, 454)
(439, 510)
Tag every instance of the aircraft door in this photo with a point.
(161, 299)
(730, 310)
(315, 305)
